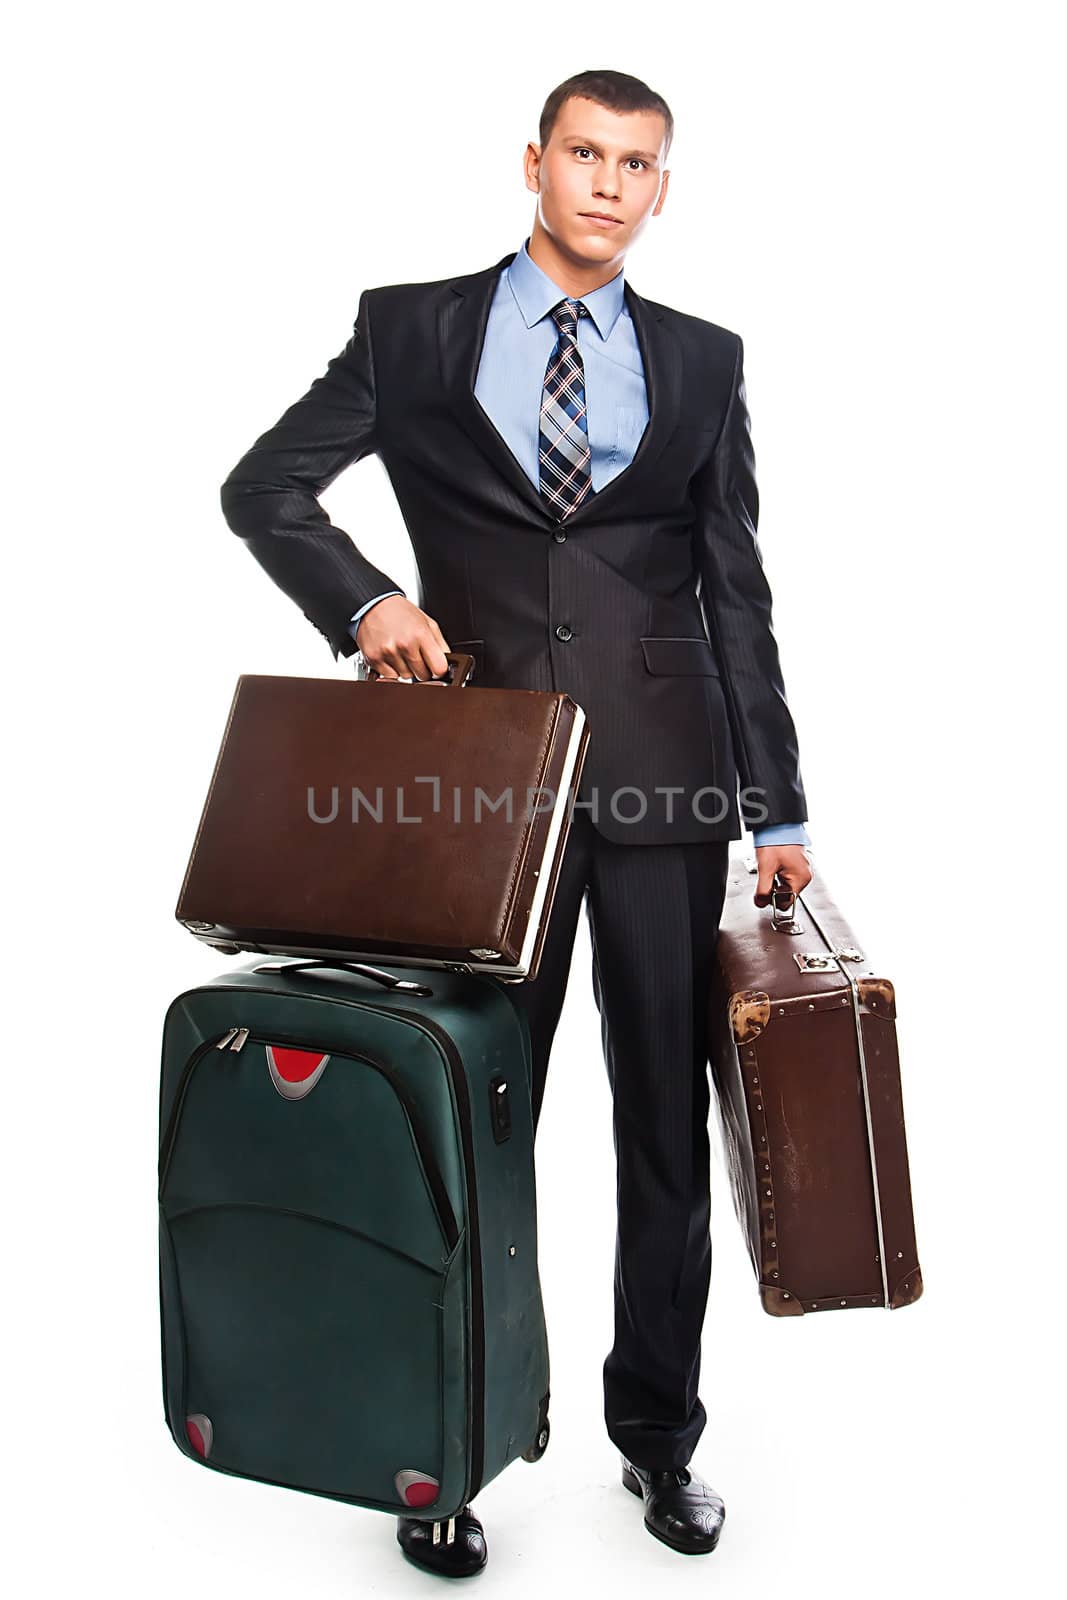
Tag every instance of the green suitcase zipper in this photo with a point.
(235, 1039)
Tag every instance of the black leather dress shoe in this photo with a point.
(429, 1544)
(680, 1508)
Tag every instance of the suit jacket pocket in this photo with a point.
(682, 657)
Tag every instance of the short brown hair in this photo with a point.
(618, 91)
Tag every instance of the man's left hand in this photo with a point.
(791, 864)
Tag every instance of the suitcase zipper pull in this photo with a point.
(241, 1039)
(224, 1041)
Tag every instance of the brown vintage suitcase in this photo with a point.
(420, 822)
(807, 1088)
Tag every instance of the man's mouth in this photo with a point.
(601, 216)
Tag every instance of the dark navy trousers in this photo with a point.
(653, 913)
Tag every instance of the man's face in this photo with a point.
(598, 160)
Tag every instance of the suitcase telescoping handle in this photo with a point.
(386, 979)
(461, 663)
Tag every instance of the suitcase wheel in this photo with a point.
(535, 1451)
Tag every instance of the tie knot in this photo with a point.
(566, 315)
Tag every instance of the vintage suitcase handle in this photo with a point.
(386, 979)
(783, 902)
(783, 907)
(460, 661)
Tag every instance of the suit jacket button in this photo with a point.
(559, 536)
(563, 632)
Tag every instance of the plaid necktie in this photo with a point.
(564, 441)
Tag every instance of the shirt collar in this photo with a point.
(536, 293)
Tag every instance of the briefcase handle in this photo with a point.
(460, 661)
(386, 979)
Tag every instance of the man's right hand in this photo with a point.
(400, 641)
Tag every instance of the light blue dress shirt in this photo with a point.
(519, 338)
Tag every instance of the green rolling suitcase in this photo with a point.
(349, 1293)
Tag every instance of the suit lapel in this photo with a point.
(461, 325)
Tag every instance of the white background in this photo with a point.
(195, 198)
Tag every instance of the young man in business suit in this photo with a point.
(575, 470)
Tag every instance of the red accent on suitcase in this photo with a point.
(295, 1073)
(200, 1433)
(416, 1488)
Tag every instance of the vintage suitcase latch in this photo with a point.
(823, 961)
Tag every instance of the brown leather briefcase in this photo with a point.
(421, 822)
(807, 1088)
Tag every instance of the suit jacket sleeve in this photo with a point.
(270, 499)
(737, 604)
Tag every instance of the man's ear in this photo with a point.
(531, 162)
(662, 193)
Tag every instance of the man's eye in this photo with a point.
(583, 149)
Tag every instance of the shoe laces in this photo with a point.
(670, 1477)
